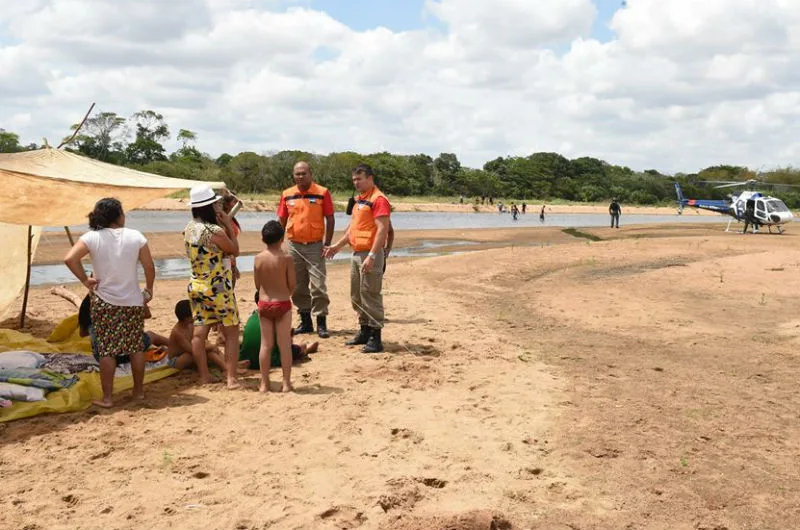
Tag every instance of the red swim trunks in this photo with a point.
(274, 310)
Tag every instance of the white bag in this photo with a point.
(21, 393)
(20, 359)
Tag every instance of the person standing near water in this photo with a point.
(208, 238)
(306, 212)
(524, 207)
(367, 235)
(614, 211)
(117, 303)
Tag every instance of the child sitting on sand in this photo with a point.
(273, 273)
(180, 342)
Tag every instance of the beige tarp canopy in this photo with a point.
(50, 187)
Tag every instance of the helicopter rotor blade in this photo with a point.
(732, 185)
(719, 181)
(718, 184)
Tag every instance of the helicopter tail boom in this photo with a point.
(714, 206)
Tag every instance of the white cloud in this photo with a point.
(682, 85)
(514, 23)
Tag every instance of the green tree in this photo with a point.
(186, 138)
(102, 138)
(223, 160)
(280, 168)
(150, 131)
(188, 153)
(421, 168)
(9, 142)
(448, 175)
(335, 170)
(247, 172)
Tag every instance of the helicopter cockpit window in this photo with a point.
(776, 206)
(760, 206)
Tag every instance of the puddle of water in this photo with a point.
(173, 268)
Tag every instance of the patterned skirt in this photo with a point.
(118, 329)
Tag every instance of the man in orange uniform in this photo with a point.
(306, 212)
(366, 234)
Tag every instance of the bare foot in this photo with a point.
(312, 348)
(233, 384)
(287, 387)
(105, 403)
(244, 364)
(264, 387)
(139, 397)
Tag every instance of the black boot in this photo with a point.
(322, 327)
(306, 325)
(374, 344)
(361, 338)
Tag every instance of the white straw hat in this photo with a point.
(202, 195)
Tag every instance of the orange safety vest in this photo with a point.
(306, 222)
(362, 226)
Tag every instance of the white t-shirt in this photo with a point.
(115, 255)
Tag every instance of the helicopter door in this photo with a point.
(761, 210)
(750, 210)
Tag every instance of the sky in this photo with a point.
(674, 86)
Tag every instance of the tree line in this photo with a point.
(138, 142)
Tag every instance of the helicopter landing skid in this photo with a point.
(728, 228)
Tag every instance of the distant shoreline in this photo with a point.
(261, 205)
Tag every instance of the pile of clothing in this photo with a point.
(25, 376)
(70, 363)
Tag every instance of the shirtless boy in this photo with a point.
(273, 273)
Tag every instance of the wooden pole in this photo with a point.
(27, 279)
(69, 236)
(78, 128)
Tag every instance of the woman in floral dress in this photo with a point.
(208, 238)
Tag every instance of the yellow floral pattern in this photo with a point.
(211, 285)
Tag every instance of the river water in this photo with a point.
(150, 221)
(179, 267)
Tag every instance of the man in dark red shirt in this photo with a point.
(306, 212)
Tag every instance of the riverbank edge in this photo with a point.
(261, 205)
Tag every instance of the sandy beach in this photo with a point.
(644, 380)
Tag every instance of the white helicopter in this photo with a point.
(751, 207)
